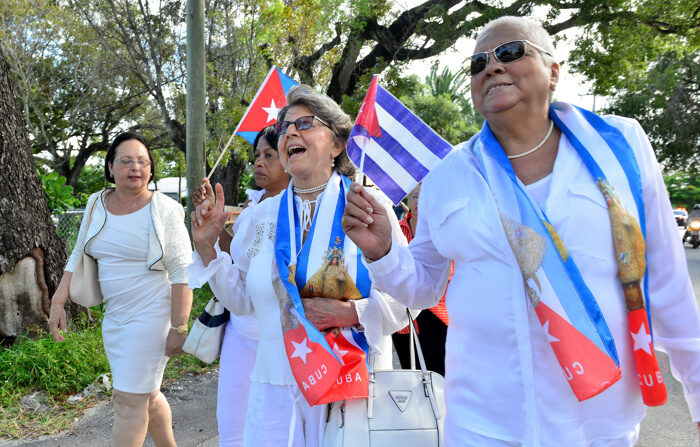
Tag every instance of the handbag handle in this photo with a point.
(427, 379)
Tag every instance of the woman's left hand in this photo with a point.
(326, 313)
(174, 342)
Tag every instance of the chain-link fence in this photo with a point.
(67, 226)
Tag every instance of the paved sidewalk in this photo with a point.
(193, 403)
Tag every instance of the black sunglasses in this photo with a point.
(504, 53)
(301, 123)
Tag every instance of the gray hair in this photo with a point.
(329, 111)
(529, 29)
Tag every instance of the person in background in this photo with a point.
(431, 326)
(400, 209)
(560, 228)
(241, 333)
(142, 248)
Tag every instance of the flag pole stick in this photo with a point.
(221, 155)
(362, 162)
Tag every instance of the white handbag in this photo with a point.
(405, 407)
(84, 287)
(207, 333)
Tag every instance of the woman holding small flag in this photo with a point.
(240, 341)
(560, 229)
(301, 275)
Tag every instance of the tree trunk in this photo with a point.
(32, 255)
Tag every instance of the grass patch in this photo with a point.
(64, 369)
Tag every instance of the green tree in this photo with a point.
(371, 35)
(666, 101)
(683, 189)
(73, 97)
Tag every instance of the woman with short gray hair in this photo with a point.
(300, 274)
(560, 229)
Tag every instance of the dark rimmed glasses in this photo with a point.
(504, 53)
(301, 123)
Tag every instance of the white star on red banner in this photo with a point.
(272, 111)
(300, 350)
(551, 338)
(642, 339)
(340, 353)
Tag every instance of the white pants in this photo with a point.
(236, 365)
(279, 416)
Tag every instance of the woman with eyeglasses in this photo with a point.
(241, 334)
(300, 274)
(561, 233)
(139, 240)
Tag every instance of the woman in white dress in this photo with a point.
(241, 334)
(322, 286)
(141, 271)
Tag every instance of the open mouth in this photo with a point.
(496, 87)
(295, 150)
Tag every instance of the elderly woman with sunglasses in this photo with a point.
(139, 240)
(300, 274)
(549, 214)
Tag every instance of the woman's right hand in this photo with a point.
(57, 318)
(366, 222)
(207, 222)
(57, 314)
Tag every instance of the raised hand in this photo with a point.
(366, 222)
(203, 192)
(207, 222)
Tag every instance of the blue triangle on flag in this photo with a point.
(286, 81)
(249, 136)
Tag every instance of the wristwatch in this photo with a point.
(180, 329)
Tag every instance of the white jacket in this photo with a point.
(167, 250)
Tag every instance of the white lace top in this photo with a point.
(247, 284)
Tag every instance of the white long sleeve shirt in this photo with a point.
(503, 381)
(247, 285)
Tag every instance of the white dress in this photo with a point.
(137, 303)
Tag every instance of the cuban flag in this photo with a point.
(391, 145)
(268, 101)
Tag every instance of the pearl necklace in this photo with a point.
(310, 190)
(549, 132)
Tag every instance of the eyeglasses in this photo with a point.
(504, 53)
(143, 163)
(301, 123)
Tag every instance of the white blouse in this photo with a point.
(248, 284)
(502, 378)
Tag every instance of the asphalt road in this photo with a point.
(193, 403)
(670, 425)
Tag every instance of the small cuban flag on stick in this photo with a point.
(391, 145)
(263, 110)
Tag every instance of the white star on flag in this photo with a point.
(340, 353)
(551, 338)
(642, 340)
(272, 111)
(300, 350)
